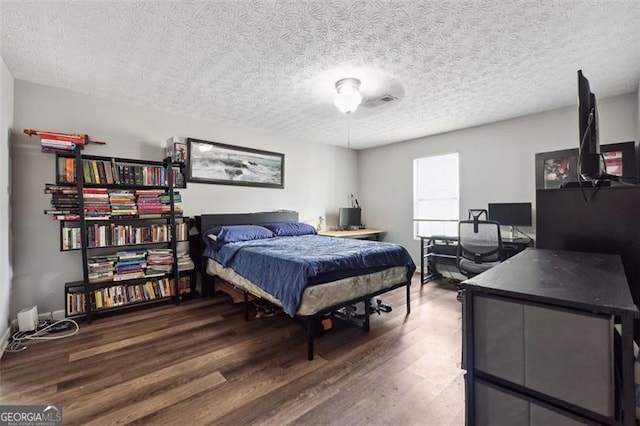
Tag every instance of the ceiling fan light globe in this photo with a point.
(348, 101)
(349, 97)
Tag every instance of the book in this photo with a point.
(70, 170)
(96, 175)
(101, 172)
(61, 137)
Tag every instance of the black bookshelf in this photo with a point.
(141, 175)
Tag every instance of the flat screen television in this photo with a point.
(589, 159)
(350, 218)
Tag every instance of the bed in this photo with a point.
(307, 275)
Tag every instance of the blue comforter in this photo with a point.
(283, 266)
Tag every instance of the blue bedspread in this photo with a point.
(282, 266)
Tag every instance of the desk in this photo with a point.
(538, 333)
(438, 249)
(362, 234)
(513, 246)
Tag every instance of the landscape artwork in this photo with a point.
(217, 163)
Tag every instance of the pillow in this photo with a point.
(290, 229)
(221, 235)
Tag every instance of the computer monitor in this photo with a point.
(511, 214)
(350, 217)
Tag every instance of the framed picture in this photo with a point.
(176, 150)
(553, 169)
(213, 162)
(620, 158)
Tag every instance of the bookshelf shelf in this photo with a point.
(99, 284)
(133, 304)
(120, 309)
(125, 245)
(115, 172)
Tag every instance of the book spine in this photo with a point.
(69, 170)
(96, 175)
(101, 173)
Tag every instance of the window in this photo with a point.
(436, 190)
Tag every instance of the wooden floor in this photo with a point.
(201, 363)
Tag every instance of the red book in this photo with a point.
(62, 137)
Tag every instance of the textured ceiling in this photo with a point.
(272, 65)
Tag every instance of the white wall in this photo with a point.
(6, 123)
(317, 177)
(496, 163)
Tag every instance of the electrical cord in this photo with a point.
(18, 338)
(581, 178)
(605, 176)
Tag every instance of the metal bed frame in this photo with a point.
(206, 221)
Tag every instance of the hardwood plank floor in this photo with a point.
(201, 363)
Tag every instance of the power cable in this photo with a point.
(18, 339)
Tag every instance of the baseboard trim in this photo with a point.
(4, 341)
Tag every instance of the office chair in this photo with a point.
(475, 214)
(479, 246)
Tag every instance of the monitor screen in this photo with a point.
(350, 217)
(511, 214)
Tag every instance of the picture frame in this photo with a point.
(177, 150)
(556, 168)
(223, 164)
(620, 159)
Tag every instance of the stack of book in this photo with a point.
(71, 238)
(96, 203)
(98, 171)
(178, 178)
(123, 204)
(75, 303)
(149, 205)
(66, 169)
(130, 265)
(136, 174)
(166, 204)
(160, 233)
(55, 142)
(109, 297)
(119, 295)
(101, 268)
(184, 262)
(64, 201)
(184, 285)
(182, 231)
(159, 262)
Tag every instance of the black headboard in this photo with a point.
(206, 221)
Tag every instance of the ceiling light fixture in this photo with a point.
(349, 97)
